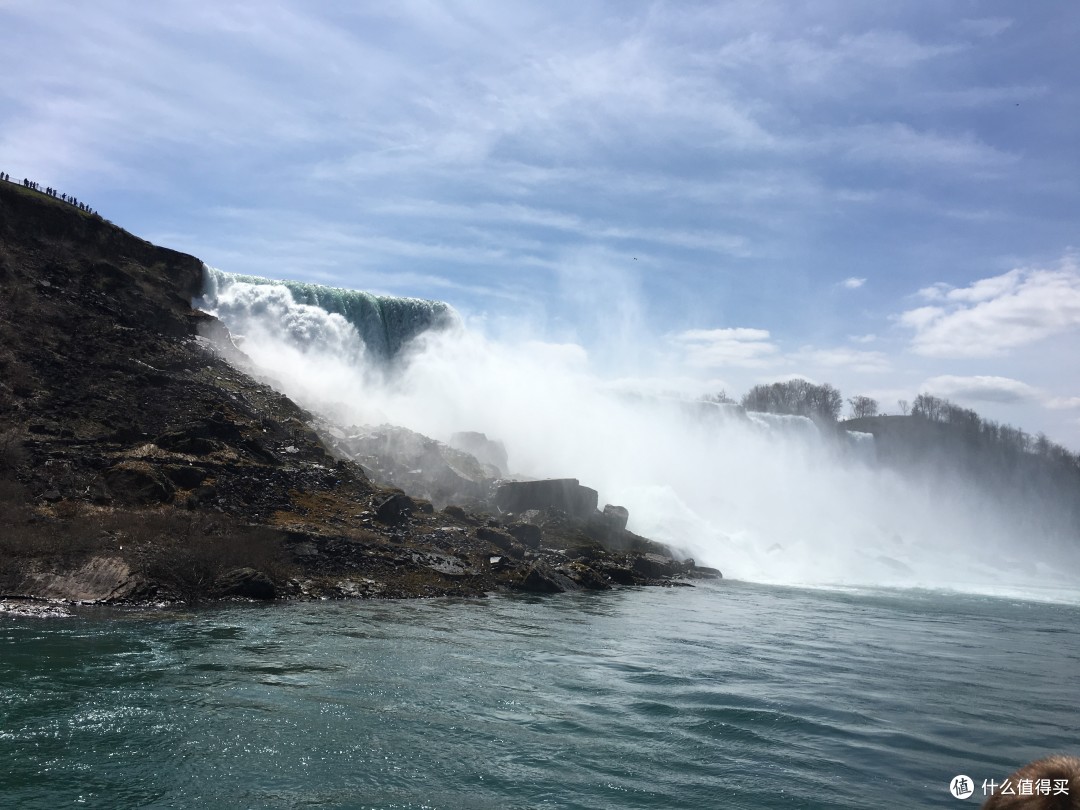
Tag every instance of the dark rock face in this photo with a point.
(655, 566)
(541, 578)
(138, 484)
(527, 534)
(616, 517)
(393, 508)
(564, 494)
(586, 576)
(203, 496)
(618, 573)
(704, 572)
(247, 583)
(185, 477)
(497, 538)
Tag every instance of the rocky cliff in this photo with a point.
(138, 463)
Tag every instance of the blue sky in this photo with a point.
(879, 195)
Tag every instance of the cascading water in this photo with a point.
(384, 324)
(763, 497)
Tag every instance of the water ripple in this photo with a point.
(727, 696)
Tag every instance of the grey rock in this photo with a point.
(497, 538)
(542, 578)
(393, 508)
(564, 494)
(656, 565)
(616, 516)
(527, 534)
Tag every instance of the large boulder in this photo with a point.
(616, 517)
(586, 576)
(393, 508)
(564, 494)
(100, 579)
(655, 566)
(497, 538)
(527, 534)
(542, 578)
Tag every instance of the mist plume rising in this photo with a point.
(764, 497)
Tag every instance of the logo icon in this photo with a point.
(961, 787)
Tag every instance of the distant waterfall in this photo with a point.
(384, 324)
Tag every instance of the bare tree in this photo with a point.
(929, 407)
(862, 406)
(798, 397)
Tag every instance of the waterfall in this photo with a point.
(383, 324)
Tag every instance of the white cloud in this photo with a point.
(826, 64)
(708, 348)
(995, 315)
(1062, 403)
(981, 290)
(852, 283)
(981, 388)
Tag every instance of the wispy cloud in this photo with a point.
(981, 388)
(717, 348)
(1062, 403)
(852, 283)
(994, 315)
(900, 142)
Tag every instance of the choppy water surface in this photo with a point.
(731, 695)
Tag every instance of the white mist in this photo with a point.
(762, 498)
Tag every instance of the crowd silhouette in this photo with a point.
(52, 192)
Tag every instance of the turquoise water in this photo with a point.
(726, 695)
